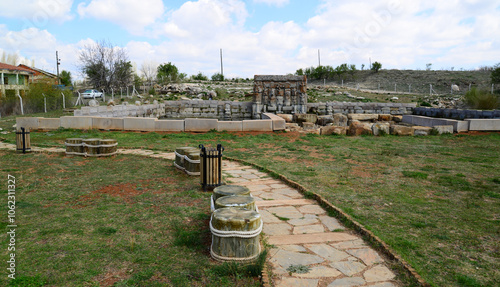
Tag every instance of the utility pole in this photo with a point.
(221, 66)
(58, 62)
(319, 59)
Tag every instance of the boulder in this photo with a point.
(421, 131)
(384, 118)
(380, 129)
(340, 120)
(308, 126)
(402, 130)
(357, 128)
(397, 119)
(363, 117)
(333, 130)
(287, 117)
(324, 120)
(310, 118)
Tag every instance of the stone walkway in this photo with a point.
(300, 233)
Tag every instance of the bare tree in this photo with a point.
(149, 70)
(106, 66)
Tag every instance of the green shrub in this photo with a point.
(221, 93)
(481, 99)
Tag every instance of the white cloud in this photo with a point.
(277, 3)
(132, 15)
(36, 12)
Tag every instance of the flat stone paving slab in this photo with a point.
(320, 272)
(348, 282)
(297, 282)
(289, 212)
(287, 258)
(277, 229)
(310, 238)
(368, 255)
(378, 273)
(331, 223)
(305, 229)
(292, 202)
(328, 252)
(348, 268)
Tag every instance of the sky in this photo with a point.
(256, 36)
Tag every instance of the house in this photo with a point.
(14, 78)
(41, 76)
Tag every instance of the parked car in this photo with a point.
(90, 94)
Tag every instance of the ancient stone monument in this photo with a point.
(279, 94)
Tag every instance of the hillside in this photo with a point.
(419, 80)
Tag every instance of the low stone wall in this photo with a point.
(329, 108)
(456, 114)
(273, 123)
(119, 111)
(226, 110)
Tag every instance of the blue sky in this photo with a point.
(257, 36)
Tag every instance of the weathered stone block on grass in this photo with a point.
(484, 124)
(381, 128)
(169, 125)
(310, 118)
(258, 125)
(79, 123)
(357, 128)
(385, 118)
(230, 126)
(139, 124)
(362, 117)
(107, 123)
(200, 125)
(333, 130)
(27, 122)
(402, 130)
(340, 120)
(422, 131)
(279, 124)
(325, 120)
(287, 117)
(49, 123)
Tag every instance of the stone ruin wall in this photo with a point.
(279, 94)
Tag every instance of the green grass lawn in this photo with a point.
(435, 200)
(120, 221)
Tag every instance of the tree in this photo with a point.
(106, 66)
(217, 77)
(167, 73)
(495, 74)
(199, 77)
(428, 66)
(376, 67)
(352, 70)
(149, 70)
(65, 78)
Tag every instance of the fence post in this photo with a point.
(79, 98)
(112, 94)
(492, 88)
(409, 89)
(44, 103)
(121, 94)
(469, 86)
(64, 101)
(103, 96)
(430, 89)
(21, 100)
(395, 87)
(342, 83)
(378, 87)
